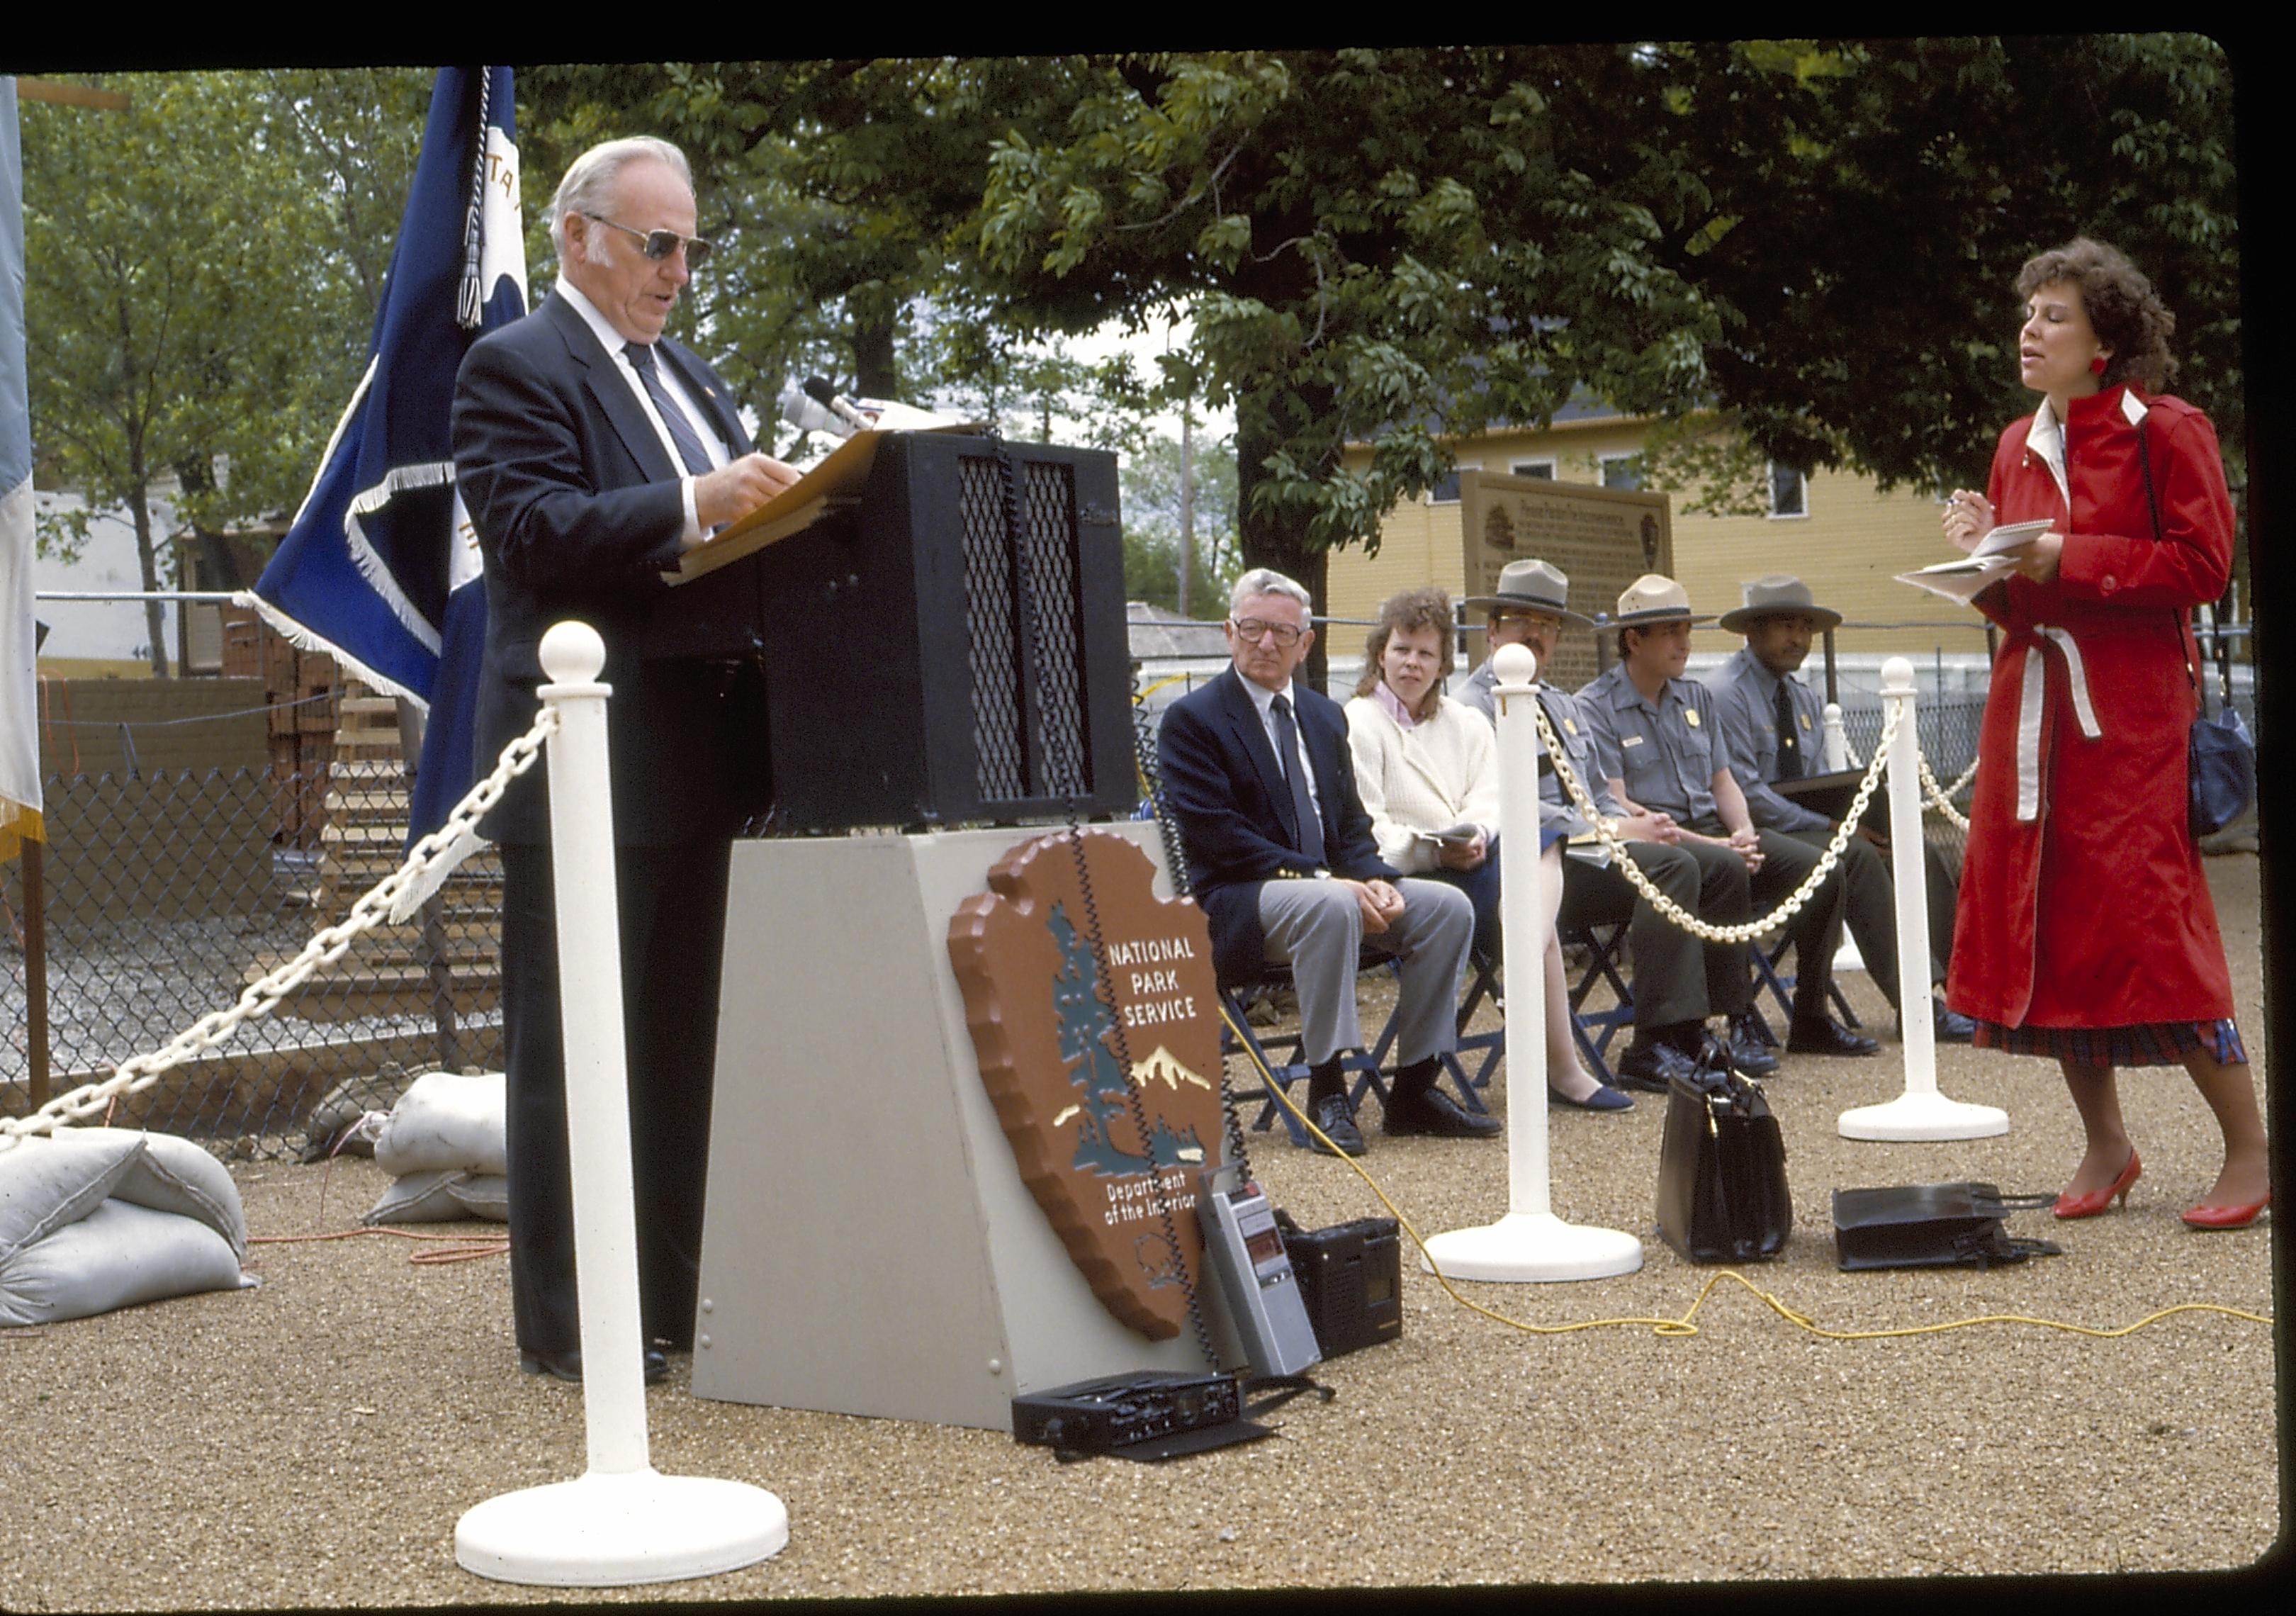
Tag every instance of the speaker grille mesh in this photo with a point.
(1027, 741)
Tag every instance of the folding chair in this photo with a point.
(1593, 1030)
(1237, 1036)
(1767, 975)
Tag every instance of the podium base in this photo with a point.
(1533, 1248)
(617, 1530)
(1918, 1116)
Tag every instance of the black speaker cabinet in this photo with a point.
(905, 684)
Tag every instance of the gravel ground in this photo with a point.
(313, 1442)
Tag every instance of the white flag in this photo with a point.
(19, 741)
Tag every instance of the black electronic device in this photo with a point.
(1351, 1279)
(904, 683)
(1123, 1410)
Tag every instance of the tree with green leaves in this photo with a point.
(201, 272)
(1808, 244)
(1151, 485)
(1381, 247)
(1860, 209)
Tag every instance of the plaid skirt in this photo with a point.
(2144, 1043)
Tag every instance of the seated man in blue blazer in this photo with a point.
(1257, 777)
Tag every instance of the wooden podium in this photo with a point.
(869, 1246)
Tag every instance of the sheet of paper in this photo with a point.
(1958, 580)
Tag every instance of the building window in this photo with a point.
(1446, 491)
(1622, 471)
(1534, 468)
(1789, 491)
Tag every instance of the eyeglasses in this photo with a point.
(660, 244)
(1252, 630)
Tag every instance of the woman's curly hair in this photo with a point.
(2124, 311)
(1428, 608)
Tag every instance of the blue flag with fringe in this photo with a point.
(380, 566)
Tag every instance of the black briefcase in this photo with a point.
(1932, 1225)
(1722, 1172)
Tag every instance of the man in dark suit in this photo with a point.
(591, 453)
(1257, 777)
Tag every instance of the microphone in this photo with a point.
(807, 417)
(818, 390)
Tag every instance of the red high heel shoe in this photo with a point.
(2227, 1216)
(2070, 1205)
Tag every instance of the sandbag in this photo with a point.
(174, 1175)
(116, 1256)
(444, 1195)
(446, 1121)
(49, 1182)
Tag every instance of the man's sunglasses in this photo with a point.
(661, 244)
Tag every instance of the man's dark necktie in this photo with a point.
(1789, 737)
(680, 430)
(1287, 754)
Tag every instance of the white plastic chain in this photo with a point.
(1748, 930)
(445, 846)
(1941, 798)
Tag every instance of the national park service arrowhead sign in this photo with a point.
(1067, 1033)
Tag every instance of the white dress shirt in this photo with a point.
(704, 431)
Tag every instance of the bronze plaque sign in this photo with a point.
(1602, 538)
(1069, 1034)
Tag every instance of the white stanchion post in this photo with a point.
(1530, 1243)
(622, 1522)
(1833, 741)
(1921, 1113)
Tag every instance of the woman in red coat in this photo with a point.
(2084, 930)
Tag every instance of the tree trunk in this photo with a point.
(1187, 509)
(1279, 539)
(874, 375)
(155, 620)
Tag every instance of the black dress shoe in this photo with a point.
(1337, 1119)
(1952, 1026)
(1651, 1065)
(568, 1366)
(1746, 1027)
(1432, 1111)
(1824, 1034)
(1742, 1050)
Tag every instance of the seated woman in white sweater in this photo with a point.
(1427, 769)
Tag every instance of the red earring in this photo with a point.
(2097, 366)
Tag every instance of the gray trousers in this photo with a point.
(1871, 907)
(1316, 927)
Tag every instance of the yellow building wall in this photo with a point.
(1848, 548)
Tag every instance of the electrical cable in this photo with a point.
(1684, 1325)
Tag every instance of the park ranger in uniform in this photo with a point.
(1678, 981)
(1661, 748)
(1771, 725)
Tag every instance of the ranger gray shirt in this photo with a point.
(1665, 752)
(1746, 700)
(1570, 725)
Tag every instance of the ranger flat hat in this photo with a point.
(1779, 594)
(1652, 598)
(1534, 584)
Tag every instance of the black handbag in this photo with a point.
(1932, 1225)
(2220, 756)
(1722, 1171)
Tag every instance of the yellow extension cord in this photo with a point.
(1684, 1325)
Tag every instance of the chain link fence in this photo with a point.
(163, 894)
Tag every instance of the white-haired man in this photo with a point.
(1258, 777)
(592, 451)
